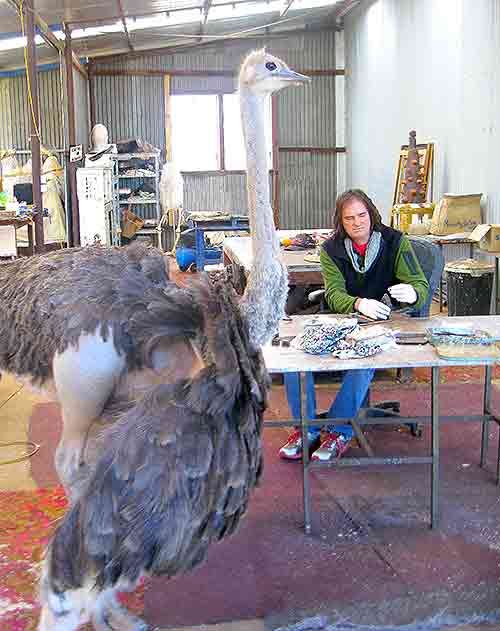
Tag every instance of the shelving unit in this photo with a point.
(149, 210)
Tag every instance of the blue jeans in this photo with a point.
(349, 399)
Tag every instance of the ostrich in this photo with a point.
(95, 324)
(175, 468)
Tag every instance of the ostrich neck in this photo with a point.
(264, 239)
(263, 303)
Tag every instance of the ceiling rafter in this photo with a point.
(207, 5)
(124, 22)
(288, 4)
(146, 14)
(49, 37)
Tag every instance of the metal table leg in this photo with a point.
(498, 459)
(200, 249)
(441, 284)
(305, 454)
(497, 283)
(486, 410)
(435, 446)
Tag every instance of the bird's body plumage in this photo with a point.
(175, 471)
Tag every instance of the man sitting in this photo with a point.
(362, 261)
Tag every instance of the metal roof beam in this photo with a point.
(288, 4)
(124, 22)
(49, 37)
(206, 8)
(146, 14)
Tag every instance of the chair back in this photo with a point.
(431, 261)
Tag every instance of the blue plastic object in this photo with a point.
(187, 256)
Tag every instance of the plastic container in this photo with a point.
(469, 287)
(186, 257)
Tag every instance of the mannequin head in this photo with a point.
(99, 137)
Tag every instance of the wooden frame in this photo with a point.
(426, 152)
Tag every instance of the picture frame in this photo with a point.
(426, 154)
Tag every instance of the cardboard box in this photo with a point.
(487, 235)
(456, 213)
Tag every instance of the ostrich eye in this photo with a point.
(271, 65)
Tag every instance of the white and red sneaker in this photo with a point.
(292, 449)
(333, 445)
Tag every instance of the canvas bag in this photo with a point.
(456, 213)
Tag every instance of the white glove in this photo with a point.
(373, 309)
(403, 293)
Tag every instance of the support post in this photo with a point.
(486, 412)
(32, 80)
(74, 238)
(305, 452)
(435, 446)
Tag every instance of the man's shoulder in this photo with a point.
(334, 247)
(391, 235)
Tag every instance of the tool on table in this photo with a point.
(283, 340)
(411, 338)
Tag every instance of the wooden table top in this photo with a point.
(301, 272)
(280, 359)
(17, 222)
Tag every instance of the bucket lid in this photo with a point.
(470, 266)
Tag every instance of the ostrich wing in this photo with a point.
(48, 301)
(174, 475)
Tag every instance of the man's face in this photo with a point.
(356, 221)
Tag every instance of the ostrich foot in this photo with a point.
(110, 615)
(72, 472)
(61, 612)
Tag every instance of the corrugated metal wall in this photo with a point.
(131, 106)
(433, 67)
(15, 118)
(5, 115)
(210, 192)
(82, 119)
(308, 189)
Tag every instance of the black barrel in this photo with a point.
(469, 284)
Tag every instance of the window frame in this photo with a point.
(221, 143)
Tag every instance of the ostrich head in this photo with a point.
(264, 74)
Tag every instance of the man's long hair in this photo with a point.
(345, 198)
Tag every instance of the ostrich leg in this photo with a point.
(84, 376)
(110, 615)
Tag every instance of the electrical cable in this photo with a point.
(30, 97)
(34, 446)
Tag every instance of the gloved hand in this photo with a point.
(373, 309)
(403, 293)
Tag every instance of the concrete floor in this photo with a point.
(16, 406)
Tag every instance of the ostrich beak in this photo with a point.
(294, 77)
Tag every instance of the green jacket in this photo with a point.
(339, 301)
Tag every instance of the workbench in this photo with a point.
(201, 226)
(283, 359)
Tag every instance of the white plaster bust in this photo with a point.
(99, 138)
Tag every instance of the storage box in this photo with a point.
(131, 223)
(456, 213)
(487, 235)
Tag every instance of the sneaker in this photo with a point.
(332, 446)
(292, 449)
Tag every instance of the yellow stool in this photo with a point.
(402, 214)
